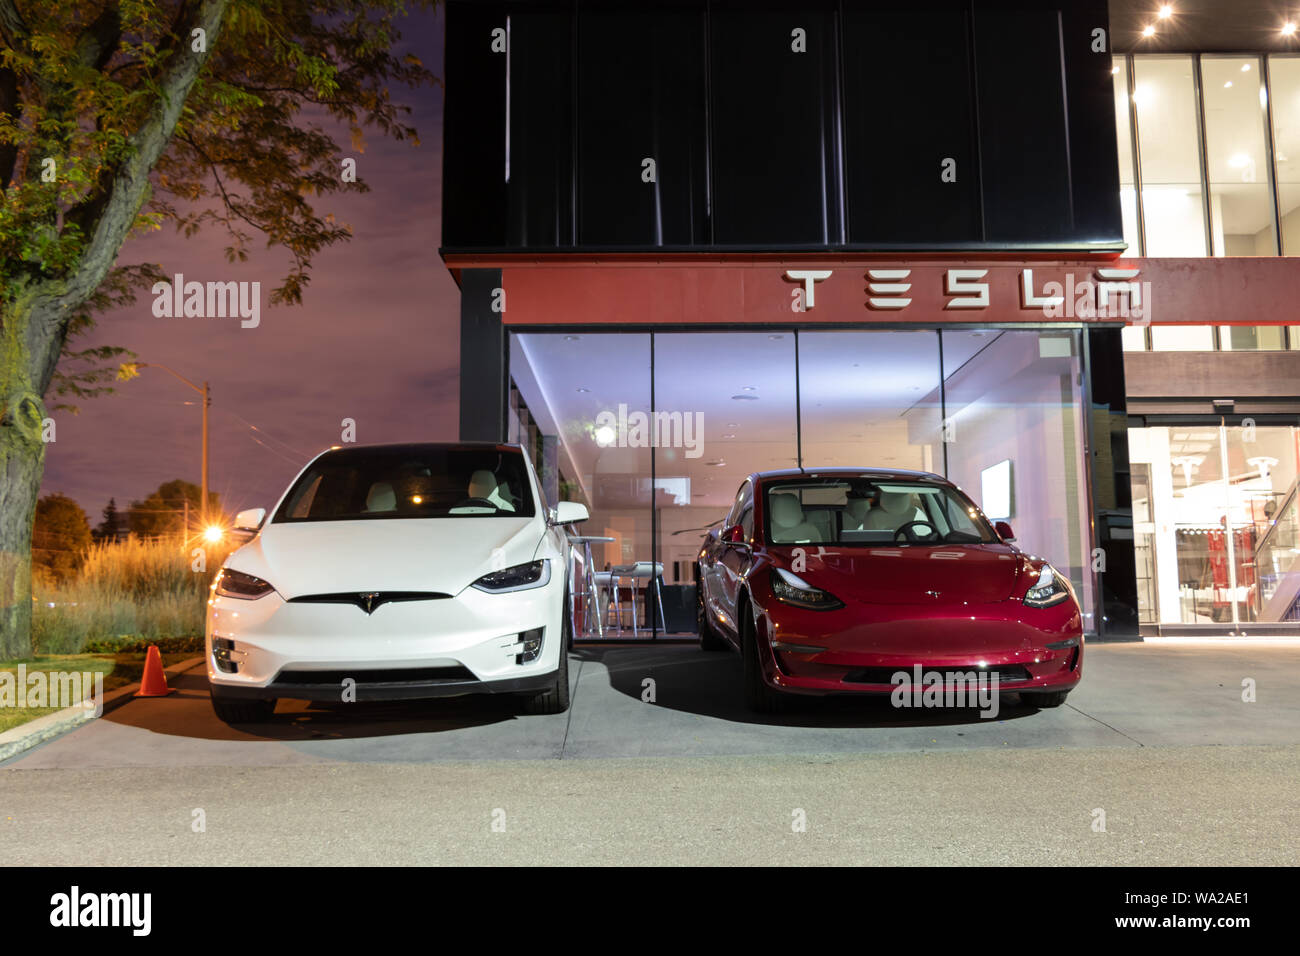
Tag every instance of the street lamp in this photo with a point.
(207, 401)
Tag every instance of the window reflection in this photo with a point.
(1173, 205)
(1284, 88)
(1241, 206)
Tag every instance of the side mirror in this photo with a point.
(250, 520)
(1004, 531)
(735, 535)
(568, 512)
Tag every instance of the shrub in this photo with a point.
(127, 592)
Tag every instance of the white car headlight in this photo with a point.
(237, 584)
(521, 577)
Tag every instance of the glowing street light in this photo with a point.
(213, 533)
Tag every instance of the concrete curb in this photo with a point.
(34, 732)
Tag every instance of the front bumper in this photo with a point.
(1023, 649)
(386, 689)
(466, 644)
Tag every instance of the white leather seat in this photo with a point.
(895, 510)
(483, 484)
(855, 514)
(789, 525)
(381, 497)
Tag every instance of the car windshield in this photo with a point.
(870, 512)
(410, 481)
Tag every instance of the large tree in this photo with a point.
(118, 116)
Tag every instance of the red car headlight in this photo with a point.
(1050, 589)
(791, 589)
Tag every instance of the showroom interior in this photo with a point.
(805, 398)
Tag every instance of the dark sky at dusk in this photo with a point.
(376, 340)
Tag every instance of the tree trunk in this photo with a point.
(22, 463)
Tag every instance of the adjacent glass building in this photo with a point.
(1209, 155)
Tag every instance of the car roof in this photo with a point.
(843, 472)
(418, 447)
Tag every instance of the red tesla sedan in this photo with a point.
(839, 580)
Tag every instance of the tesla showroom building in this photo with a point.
(1037, 247)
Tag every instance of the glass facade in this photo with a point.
(1213, 170)
(1215, 523)
(655, 432)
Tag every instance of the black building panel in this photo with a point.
(1023, 128)
(539, 151)
(474, 128)
(1090, 96)
(774, 113)
(909, 119)
(777, 125)
(641, 96)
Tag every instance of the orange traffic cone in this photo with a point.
(154, 682)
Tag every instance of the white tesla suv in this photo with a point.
(393, 572)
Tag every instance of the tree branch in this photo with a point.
(52, 301)
(12, 22)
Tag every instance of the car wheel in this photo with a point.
(234, 710)
(1043, 699)
(555, 699)
(758, 696)
(710, 640)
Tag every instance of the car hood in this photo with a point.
(397, 554)
(973, 574)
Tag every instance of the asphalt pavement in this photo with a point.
(1155, 759)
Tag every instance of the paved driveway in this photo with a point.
(1132, 695)
(1157, 739)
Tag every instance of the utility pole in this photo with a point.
(206, 392)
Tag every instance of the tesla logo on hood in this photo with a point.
(369, 601)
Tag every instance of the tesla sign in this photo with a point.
(1099, 294)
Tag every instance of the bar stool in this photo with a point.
(650, 572)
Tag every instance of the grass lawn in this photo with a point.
(118, 670)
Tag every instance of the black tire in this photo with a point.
(235, 710)
(1044, 699)
(555, 699)
(759, 698)
(710, 639)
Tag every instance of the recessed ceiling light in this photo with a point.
(1148, 31)
(1245, 68)
(749, 388)
(1239, 160)
(1227, 85)
(1166, 11)
(581, 389)
(1288, 29)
